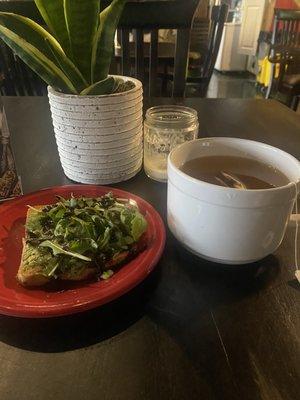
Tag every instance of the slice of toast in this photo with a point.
(30, 273)
(35, 261)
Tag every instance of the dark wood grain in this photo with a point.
(149, 16)
(201, 76)
(194, 329)
(125, 52)
(153, 62)
(181, 61)
(173, 14)
(284, 50)
(145, 12)
(139, 54)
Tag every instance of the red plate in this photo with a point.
(46, 302)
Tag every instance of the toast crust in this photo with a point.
(30, 276)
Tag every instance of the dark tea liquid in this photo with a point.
(235, 172)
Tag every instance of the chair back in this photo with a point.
(218, 18)
(199, 35)
(285, 41)
(150, 16)
(200, 73)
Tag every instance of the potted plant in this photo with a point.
(97, 118)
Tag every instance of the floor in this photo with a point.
(233, 85)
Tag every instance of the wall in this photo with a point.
(269, 11)
(294, 4)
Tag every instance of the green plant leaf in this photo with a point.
(57, 249)
(53, 14)
(45, 43)
(104, 40)
(37, 61)
(138, 226)
(103, 87)
(103, 240)
(67, 66)
(83, 245)
(82, 24)
(107, 274)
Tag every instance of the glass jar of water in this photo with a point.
(166, 127)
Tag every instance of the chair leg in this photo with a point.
(269, 90)
(164, 84)
(204, 90)
(289, 101)
(295, 103)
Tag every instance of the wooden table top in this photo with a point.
(193, 329)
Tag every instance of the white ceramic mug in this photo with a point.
(224, 224)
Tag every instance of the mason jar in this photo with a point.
(165, 127)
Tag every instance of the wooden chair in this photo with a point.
(199, 35)
(150, 16)
(138, 16)
(199, 76)
(285, 50)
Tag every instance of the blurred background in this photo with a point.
(236, 49)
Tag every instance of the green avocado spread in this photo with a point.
(74, 234)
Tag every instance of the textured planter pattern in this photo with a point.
(99, 138)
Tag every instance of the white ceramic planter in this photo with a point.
(99, 138)
(116, 137)
(101, 148)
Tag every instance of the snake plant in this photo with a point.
(73, 54)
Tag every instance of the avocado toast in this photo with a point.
(78, 238)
